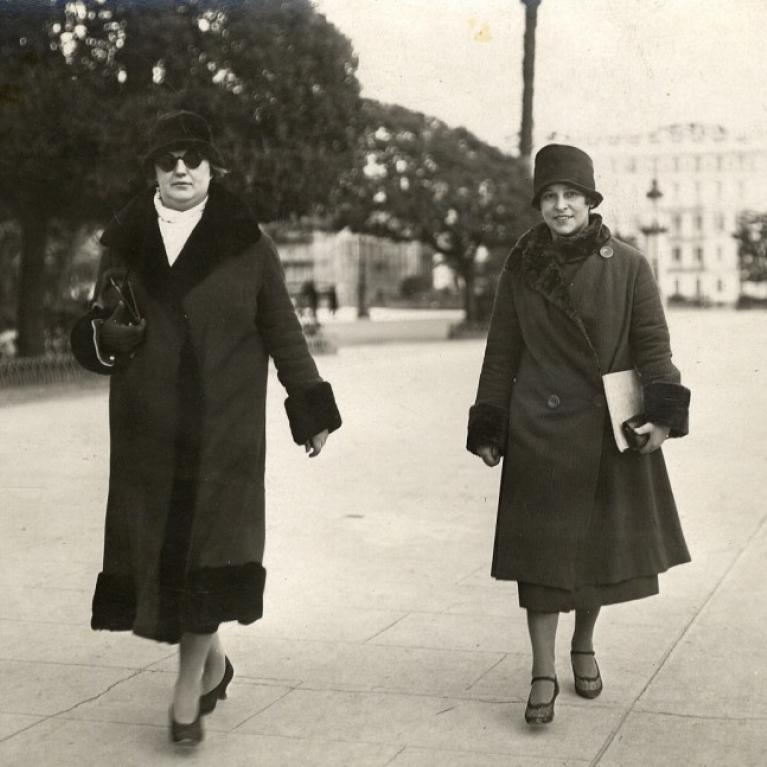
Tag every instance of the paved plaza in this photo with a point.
(384, 639)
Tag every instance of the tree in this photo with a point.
(81, 80)
(751, 235)
(416, 178)
(47, 113)
(528, 79)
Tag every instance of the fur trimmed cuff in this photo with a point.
(488, 427)
(311, 410)
(668, 404)
(114, 603)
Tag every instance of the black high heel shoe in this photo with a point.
(542, 713)
(587, 686)
(209, 699)
(185, 734)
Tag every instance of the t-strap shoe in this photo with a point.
(541, 713)
(185, 734)
(209, 699)
(587, 686)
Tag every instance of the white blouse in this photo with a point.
(176, 225)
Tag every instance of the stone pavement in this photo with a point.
(385, 641)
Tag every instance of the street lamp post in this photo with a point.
(652, 234)
(362, 280)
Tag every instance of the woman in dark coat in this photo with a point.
(190, 304)
(580, 524)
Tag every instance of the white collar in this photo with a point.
(171, 216)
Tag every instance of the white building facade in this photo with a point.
(334, 259)
(706, 178)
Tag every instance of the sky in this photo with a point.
(611, 67)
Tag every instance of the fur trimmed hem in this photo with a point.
(311, 410)
(114, 603)
(488, 427)
(213, 595)
(668, 404)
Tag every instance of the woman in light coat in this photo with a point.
(190, 306)
(580, 524)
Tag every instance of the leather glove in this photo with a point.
(116, 336)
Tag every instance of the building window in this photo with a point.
(697, 162)
(676, 254)
(676, 223)
(698, 222)
(718, 252)
(675, 190)
(697, 287)
(699, 255)
(676, 287)
(719, 286)
(719, 222)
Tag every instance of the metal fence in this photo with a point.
(64, 368)
(36, 371)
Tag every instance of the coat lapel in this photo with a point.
(225, 229)
(135, 235)
(540, 269)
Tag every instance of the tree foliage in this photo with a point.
(751, 235)
(415, 177)
(81, 81)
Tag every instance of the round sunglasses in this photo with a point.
(167, 161)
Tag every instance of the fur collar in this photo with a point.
(585, 243)
(226, 228)
(535, 256)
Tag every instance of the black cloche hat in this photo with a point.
(182, 130)
(563, 164)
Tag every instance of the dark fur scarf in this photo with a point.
(537, 255)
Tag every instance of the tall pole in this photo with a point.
(528, 79)
(652, 233)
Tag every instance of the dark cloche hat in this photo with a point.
(562, 164)
(182, 130)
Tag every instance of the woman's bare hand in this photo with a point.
(658, 435)
(316, 443)
(490, 455)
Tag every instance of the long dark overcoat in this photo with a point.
(184, 533)
(573, 510)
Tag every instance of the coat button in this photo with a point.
(598, 400)
(553, 401)
(606, 251)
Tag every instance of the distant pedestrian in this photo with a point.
(580, 524)
(332, 300)
(190, 304)
(311, 298)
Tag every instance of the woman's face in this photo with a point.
(182, 186)
(564, 209)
